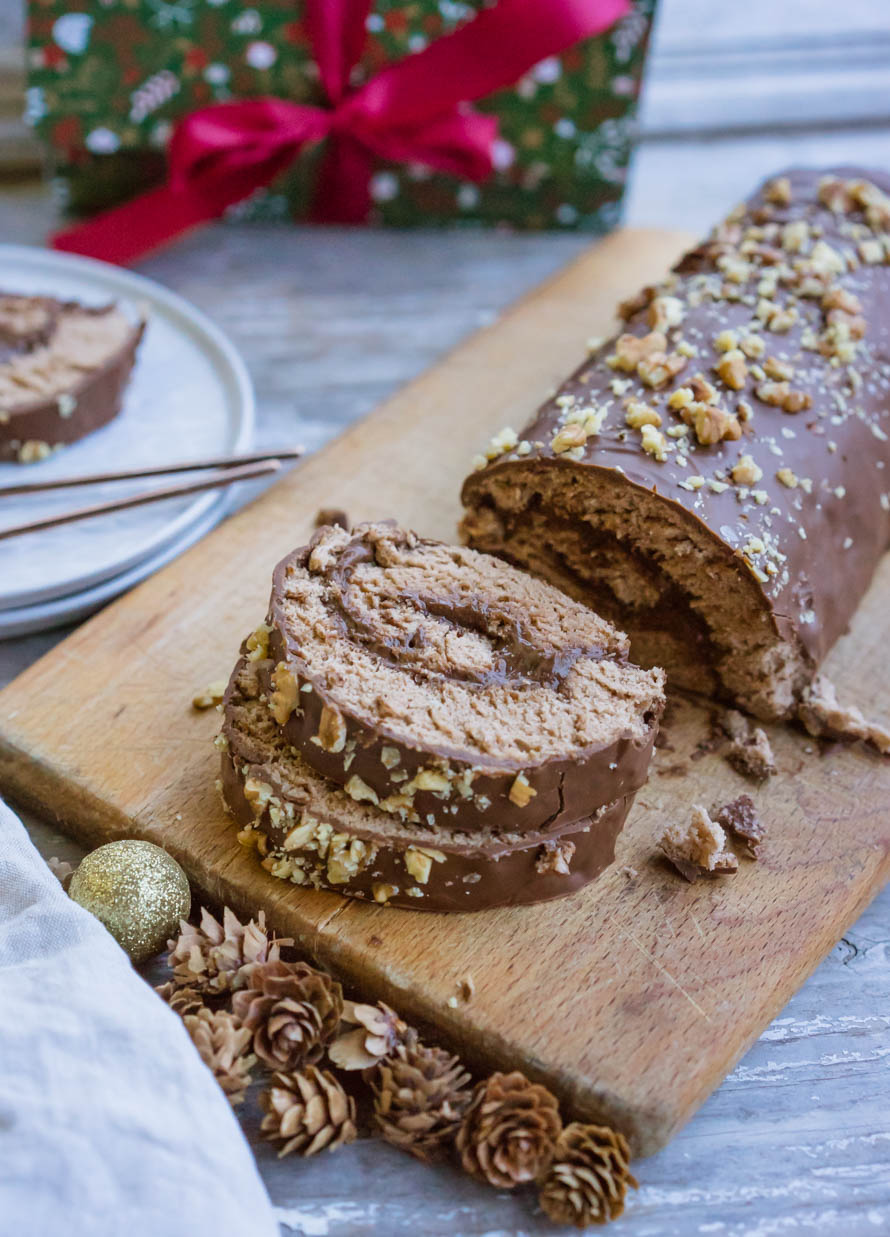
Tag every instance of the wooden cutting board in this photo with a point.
(633, 998)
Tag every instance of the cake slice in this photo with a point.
(63, 370)
(311, 833)
(716, 478)
(448, 688)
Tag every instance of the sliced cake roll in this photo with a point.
(63, 370)
(310, 832)
(449, 689)
(716, 478)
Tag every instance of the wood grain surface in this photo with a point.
(631, 999)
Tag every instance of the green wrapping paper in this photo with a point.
(108, 79)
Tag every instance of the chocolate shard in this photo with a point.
(741, 819)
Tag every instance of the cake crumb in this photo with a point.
(825, 718)
(740, 818)
(697, 847)
(750, 752)
(211, 695)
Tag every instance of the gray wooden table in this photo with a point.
(797, 1139)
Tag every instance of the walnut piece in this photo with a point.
(555, 857)
(212, 694)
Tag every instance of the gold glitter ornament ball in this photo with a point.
(137, 891)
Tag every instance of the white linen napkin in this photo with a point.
(110, 1125)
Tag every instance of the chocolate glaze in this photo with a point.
(566, 790)
(99, 394)
(823, 571)
(475, 877)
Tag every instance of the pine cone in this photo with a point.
(292, 1010)
(588, 1178)
(379, 1031)
(181, 1000)
(307, 1112)
(218, 957)
(509, 1132)
(420, 1096)
(222, 1042)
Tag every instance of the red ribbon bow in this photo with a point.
(414, 111)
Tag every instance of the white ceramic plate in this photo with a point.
(25, 620)
(189, 396)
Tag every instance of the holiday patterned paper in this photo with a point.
(109, 78)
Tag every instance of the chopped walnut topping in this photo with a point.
(752, 346)
(787, 477)
(726, 341)
(778, 191)
(568, 437)
(659, 368)
(502, 442)
(211, 695)
(639, 414)
(631, 349)
(654, 442)
(731, 368)
(797, 401)
(382, 892)
(697, 847)
(521, 793)
(665, 312)
(633, 304)
(331, 735)
(713, 425)
(283, 700)
(257, 643)
(555, 857)
(702, 390)
(739, 817)
(33, 451)
(682, 397)
(746, 471)
(795, 235)
(781, 371)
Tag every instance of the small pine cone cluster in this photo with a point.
(222, 1043)
(588, 1177)
(378, 1032)
(219, 957)
(181, 1000)
(420, 1096)
(292, 1011)
(509, 1133)
(307, 1112)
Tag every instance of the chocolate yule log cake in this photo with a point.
(309, 831)
(427, 726)
(716, 479)
(63, 370)
(448, 688)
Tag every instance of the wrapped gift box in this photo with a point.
(109, 79)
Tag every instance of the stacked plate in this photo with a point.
(189, 397)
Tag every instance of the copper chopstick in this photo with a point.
(222, 477)
(135, 474)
